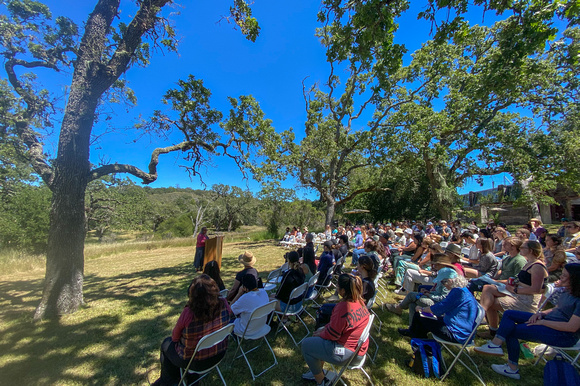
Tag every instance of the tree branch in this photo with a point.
(148, 178)
(360, 191)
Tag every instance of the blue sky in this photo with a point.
(271, 69)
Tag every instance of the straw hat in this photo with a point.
(398, 231)
(247, 259)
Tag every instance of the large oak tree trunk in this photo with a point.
(439, 189)
(330, 209)
(63, 286)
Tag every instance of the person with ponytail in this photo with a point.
(335, 343)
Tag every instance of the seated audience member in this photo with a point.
(559, 326)
(511, 265)
(553, 243)
(204, 313)
(470, 241)
(430, 229)
(327, 233)
(556, 265)
(408, 249)
(486, 263)
(525, 294)
(335, 343)
(421, 259)
(445, 231)
(454, 253)
(326, 261)
(368, 273)
(343, 245)
(456, 314)
(499, 235)
(359, 247)
(308, 253)
(249, 298)
(248, 260)
(371, 247)
(523, 234)
(444, 270)
(573, 235)
(212, 269)
(291, 279)
(420, 276)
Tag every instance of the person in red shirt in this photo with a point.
(336, 342)
(200, 249)
(204, 313)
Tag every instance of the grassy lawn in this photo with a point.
(134, 296)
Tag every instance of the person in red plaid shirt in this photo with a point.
(204, 313)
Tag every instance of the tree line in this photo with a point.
(114, 205)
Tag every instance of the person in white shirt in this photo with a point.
(248, 298)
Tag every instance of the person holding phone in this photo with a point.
(452, 319)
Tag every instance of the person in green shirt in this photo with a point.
(513, 263)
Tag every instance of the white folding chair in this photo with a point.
(325, 286)
(297, 292)
(311, 293)
(465, 251)
(206, 342)
(444, 244)
(258, 322)
(370, 304)
(562, 351)
(272, 280)
(224, 293)
(463, 348)
(547, 295)
(359, 363)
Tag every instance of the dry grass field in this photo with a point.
(134, 296)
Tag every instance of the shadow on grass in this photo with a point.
(113, 340)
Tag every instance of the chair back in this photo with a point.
(283, 268)
(465, 251)
(206, 342)
(444, 244)
(224, 293)
(214, 338)
(259, 316)
(274, 274)
(478, 320)
(547, 295)
(298, 292)
(313, 279)
(327, 278)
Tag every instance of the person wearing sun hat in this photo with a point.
(248, 260)
(442, 269)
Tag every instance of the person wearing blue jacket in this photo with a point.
(455, 314)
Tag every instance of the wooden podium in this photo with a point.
(213, 250)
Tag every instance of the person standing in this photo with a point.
(200, 249)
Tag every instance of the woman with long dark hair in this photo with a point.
(335, 343)
(212, 269)
(558, 326)
(204, 313)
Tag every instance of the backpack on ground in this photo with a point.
(426, 359)
(561, 373)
